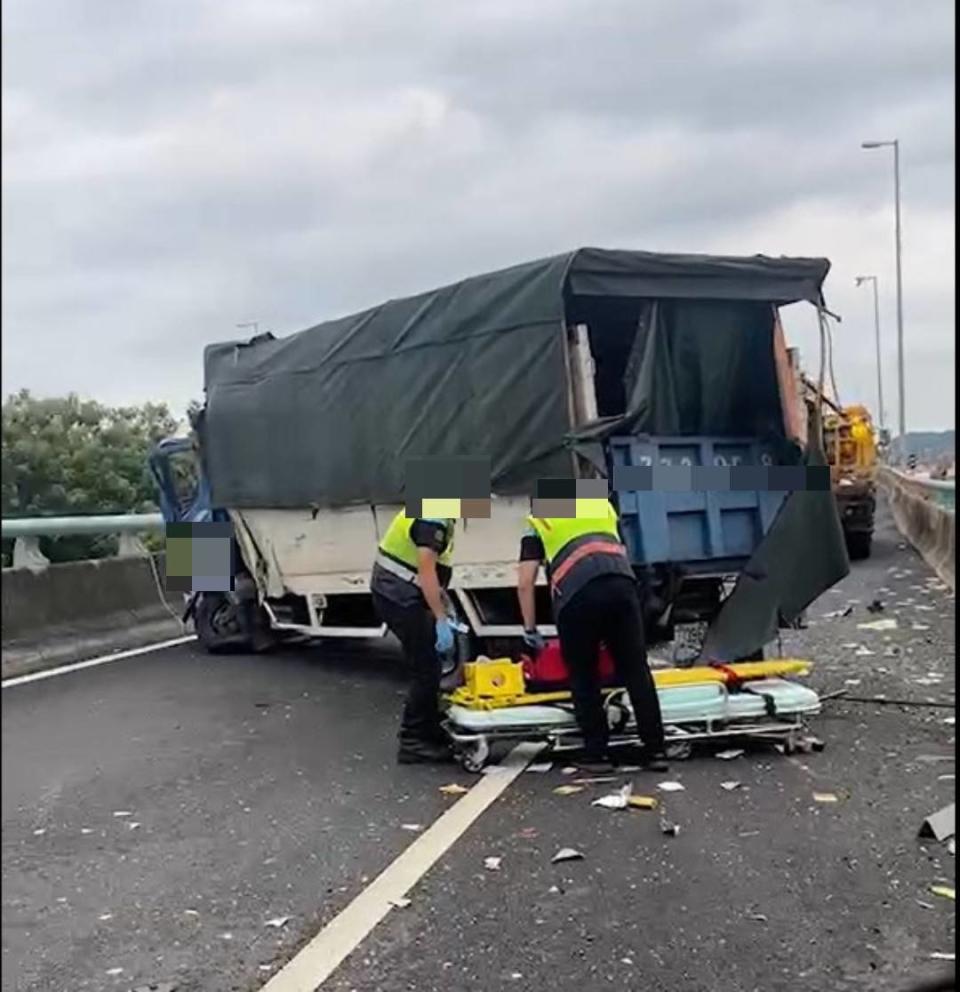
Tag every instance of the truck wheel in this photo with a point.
(218, 623)
(859, 545)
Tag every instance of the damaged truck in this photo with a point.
(581, 365)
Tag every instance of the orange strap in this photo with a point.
(590, 548)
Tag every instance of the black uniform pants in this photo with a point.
(607, 610)
(414, 627)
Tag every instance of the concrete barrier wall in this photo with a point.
(929, 527)
(67, 611)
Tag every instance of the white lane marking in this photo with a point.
(93, 662)
(345, 932)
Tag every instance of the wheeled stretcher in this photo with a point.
(748, 700)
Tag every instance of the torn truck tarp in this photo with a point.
(476, 369)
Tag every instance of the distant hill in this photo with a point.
(926, 445)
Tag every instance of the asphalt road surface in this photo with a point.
(193, 820)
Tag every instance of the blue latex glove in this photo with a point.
(533, 639)
(444, 641)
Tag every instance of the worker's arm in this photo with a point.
(429, 583)
(526, 592)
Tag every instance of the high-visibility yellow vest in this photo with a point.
(557, 532)
(581, 548)
(397, 544)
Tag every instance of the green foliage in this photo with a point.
(66, 456)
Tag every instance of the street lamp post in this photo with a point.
(876, 324)
(901, 399)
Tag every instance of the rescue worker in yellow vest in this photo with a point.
(410, 575)
(595, 600)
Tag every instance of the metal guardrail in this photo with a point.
(27, 532)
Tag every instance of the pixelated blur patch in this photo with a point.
(199, 557)
(475, 509)
(447, 478)
(551, 489)
(558, 508)
(444, 507)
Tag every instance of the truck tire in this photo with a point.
(217, 622)
(859, 545)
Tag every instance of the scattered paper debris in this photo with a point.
(492, 864)
(133, 825)
(191, 912)
(114, 971)
(669, 829)
(950, 721)
(414, 828)
(757, 917)
(730, 786)
(453, 789)
(122, 812)
(39, 832)
(825, 797)
(103, 917)
(919, 626)
(888, 623)
(566, 854)
(949, 777)
(943, 956)
(940, 825)
(852, 681)
(568, 790)
(670, 786)
(277, 922)
(643, 802)
(944, 891)
(616, 800)
(729, 755)
(86, 830)
(541, 767)
(401, 903)
(864, 652)
(952, 846)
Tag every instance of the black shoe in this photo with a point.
(654, 761)
(595, 762)
(424, 752)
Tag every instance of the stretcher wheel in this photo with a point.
(474, 756)
(679, 750)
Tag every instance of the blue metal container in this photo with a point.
(708, 531)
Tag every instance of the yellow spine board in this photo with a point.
(663, 678)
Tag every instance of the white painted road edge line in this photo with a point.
(309, 969)
(93, 662)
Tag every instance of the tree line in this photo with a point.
(67, 456)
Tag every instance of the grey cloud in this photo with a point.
(174, 168)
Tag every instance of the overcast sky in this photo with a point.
(174, 167)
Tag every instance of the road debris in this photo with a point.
(105, 916)
(569, 770)
(669, 829)
(277, 922)
(616, 800)
(670, 786)
(566, 854)
(414, 828)
(757, 917)
(453, 789)
(730, 786)
(864, 652)
(541, 767)
(643, 802)
(826, 797)
(875, 606)
(568, 790)
(600, 780)
(940, 825)
(122, 812)
(112, 972)
(39, 832)
(729, 755)
(492, 864)
(944, 891)
(888, 623)
(401, 903)
(943, 956)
